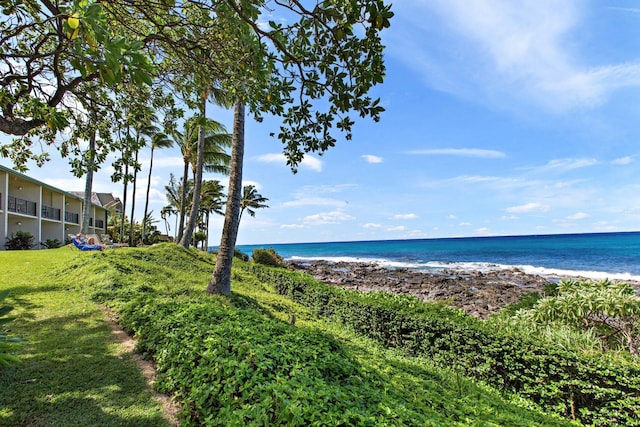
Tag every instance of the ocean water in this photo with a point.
(594, 255)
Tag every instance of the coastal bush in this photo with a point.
(237, 253)
(239, 360)
(21, 240)
(593, 390)
(267, 257)
(5, 340)
(610, 310)
(52, 243)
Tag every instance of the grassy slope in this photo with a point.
(410, 385)
(73, 372)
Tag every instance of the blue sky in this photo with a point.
(502, 118)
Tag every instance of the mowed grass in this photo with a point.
(73, 371)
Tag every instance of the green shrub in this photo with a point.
(267, 257)
(52, 243)
(593, 390)
(5, 340)
(237, 253)
(610, 310)
(21, 240)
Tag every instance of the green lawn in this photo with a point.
(73, 371)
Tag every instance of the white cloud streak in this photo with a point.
(408, 216)
(463, 152)
(499, 51)
(528, 208)
(309, 161)
(325, 218)
(370, 158)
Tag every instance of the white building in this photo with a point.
(44, 211)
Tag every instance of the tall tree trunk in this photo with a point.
(125, 155)
(133, 202)
(146, 202)
(88, 186)
(183, 201)
(207, 241)
(197, 181)
(220, 282)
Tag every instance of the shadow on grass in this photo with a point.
(72, 374)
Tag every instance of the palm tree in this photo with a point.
(211, 201)
(214, 157)
(220, 282)
(144, 129)
(165, 212)
(158, 140)
(174, 193)
(251, 200)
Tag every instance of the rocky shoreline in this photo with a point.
(478, 293)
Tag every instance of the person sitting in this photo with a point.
(81, 243)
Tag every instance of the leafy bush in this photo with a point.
(52, 243)
(237, 253)
(267, 257)
(593, 390)
(610, 310)
(5, 340)
(21, 240)
(229, 361)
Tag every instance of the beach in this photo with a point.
(479, 293)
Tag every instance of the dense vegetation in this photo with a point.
(592, 389)
(277, 352)
(258, 358)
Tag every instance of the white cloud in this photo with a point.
(465, 224)
(500, 51)
(370, 158)
(623, 160)
(397, 228)
(314, 201)
(509, 217)
(527, 208)
(482, 231)
(256, 184)
(578, 215)
(371, 225)
(406, 216)
(464, 152)
(309, 161)
(292, 226)
(165, 162)
(323, 218)
(564, 165)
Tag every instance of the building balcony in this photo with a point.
(49, 212)
(72, 217)
(21, 206)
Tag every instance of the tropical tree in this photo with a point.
(214, 158)
(159, 140)
(251, 200)
(211, 202)
(144, 129)
(49, 50)
(322, 57)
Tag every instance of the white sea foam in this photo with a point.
(436, 266)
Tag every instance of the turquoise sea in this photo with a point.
(593, 255)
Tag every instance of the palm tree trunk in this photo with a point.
(183, 201)
(124, 197)
(220, 282)
(197, 182)
(146, 202)
(133, 202)
(88, 186)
